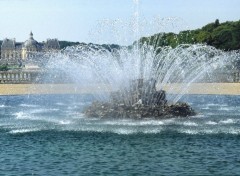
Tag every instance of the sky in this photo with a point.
(108, 21)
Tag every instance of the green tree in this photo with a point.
(225, 36)
(4, 67)
(216, 23)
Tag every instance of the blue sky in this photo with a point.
(85, 20)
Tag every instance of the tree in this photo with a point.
(216, 23)
(4, 67)
(225, 36)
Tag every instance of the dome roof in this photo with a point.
(30, 42)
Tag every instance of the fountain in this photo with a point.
(132, 80)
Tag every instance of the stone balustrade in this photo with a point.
(17, 76)
(236, 76)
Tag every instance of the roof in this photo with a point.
(31, 42)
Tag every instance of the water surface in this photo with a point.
(49, 135)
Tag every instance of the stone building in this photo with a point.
(13, 53)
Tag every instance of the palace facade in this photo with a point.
(14, 53)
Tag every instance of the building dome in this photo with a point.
(31, 43)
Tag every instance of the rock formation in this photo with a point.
(140, 100)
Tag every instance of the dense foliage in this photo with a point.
(64, 44)
(225, 36)
(4, 67)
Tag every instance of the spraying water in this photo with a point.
(114, 69)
